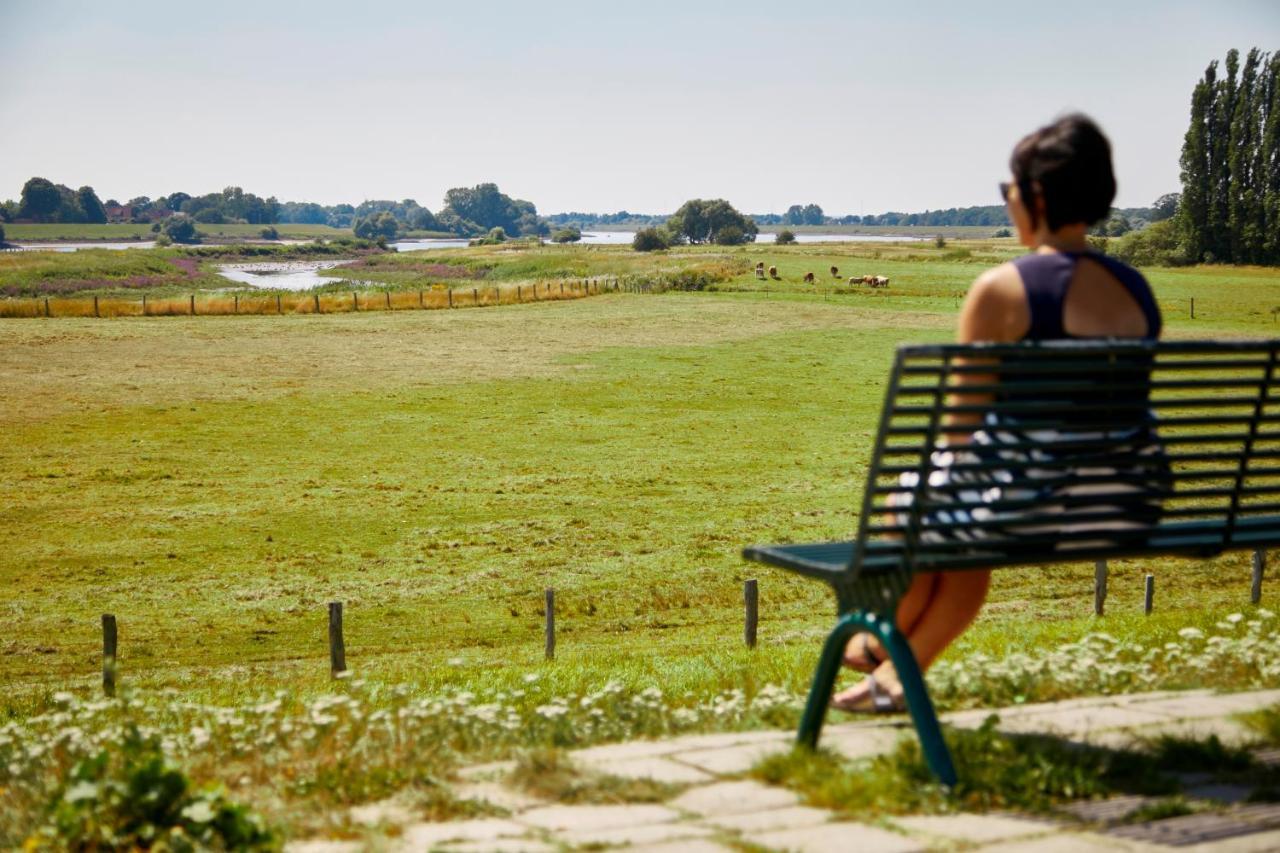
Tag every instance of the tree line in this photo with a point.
(1230, 208)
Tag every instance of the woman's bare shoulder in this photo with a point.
(996, 307)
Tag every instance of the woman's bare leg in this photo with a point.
(956, 599)
(911, 607)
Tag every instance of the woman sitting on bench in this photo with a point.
(1062, 184)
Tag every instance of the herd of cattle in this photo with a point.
(869, 280)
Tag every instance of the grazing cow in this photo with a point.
(881, 281)
(808, 278)
(868, 279)
(835, 272)
(854, 279)
(773, 272)
(760, 271)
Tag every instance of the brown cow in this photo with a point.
(868, 279)
(760, 270)
(808, 278)
(835, 272)
(773, 272)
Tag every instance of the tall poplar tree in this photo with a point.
(1193, 209)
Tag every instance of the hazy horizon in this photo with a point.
(596, 109)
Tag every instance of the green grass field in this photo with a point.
(215, 481)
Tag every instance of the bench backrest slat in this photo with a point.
(997, 454)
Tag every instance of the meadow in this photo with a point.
(215, 481)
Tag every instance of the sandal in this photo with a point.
(881, 701)
(870, 661)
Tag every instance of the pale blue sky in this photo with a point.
(860, 107)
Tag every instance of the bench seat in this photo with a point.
(830, 560)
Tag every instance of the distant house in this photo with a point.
(118, 212)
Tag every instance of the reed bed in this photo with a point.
(313, 302)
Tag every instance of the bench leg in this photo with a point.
(918, 701)
(824, 677)
(904, 661)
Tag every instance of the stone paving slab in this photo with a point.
(1081, 722)
(656, 833)
(974, 828)
(1214, 705)
(1230, 732)
(426, 836)
(1109, 811)
(751, 823)
(499, 845)
(726, 798)
(657, 768)
(828, 837)
(558, 818)
(323, 846)
(497, 794)
(1201, 828)
(865, 743)
(1072, 842)
(728, 760)
(1257, 842)
(692, 845)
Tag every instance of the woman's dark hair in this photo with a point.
(1068, 164)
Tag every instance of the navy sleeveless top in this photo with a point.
(1047, 277)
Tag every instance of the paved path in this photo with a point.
(718, 812)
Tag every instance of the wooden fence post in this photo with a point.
(337, 649)
(421, 304)
(317, 301)
(355, 301)
(95, 306)
(108, 654)
(279, 305)
(46, 307)
(518, 295)
(192, 303)
(237, 303)
(562, 288)
(1193, 308)
(1099, 586)
(388, 294)
(475, 296)
(1259, 567)
(144, 305)
(450, 297)
(751, 598)
(551, 623)
(1149, 594)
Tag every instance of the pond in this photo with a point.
(280, 275)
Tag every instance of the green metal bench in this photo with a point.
(1211, 407)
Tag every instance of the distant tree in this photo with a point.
(649, 240)
(209, 215)
(421, 219)
(1, 235)
(940, 242)
(179, 229)
(701, 220)
(1117, 226)
(785, 237)
(1002, 232)
(269, 233)
(729, 235)
(813, 215)
(174, 201)
(91, 205)
(40, 200)
(1165, 206)
(378, 226)
(486, 206)
(794, 215)
(567, 235)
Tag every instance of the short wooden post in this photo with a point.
(144, 305)
(1259, 568)
(451, 297)
(337, 649)
(355, 301)
(95, 306)
(192, 303)
(237, 303)
(421, 304)
(279, 305)
(562, 288)
(46, 307)
(1099, 586)
(317, 301)
(1149, 594)
(751, 598)
(108, 654)
(551, 623)
(475, 295)
(388, 293)
(1193, 308)
(518, 295)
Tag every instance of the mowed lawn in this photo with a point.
(214, 482)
